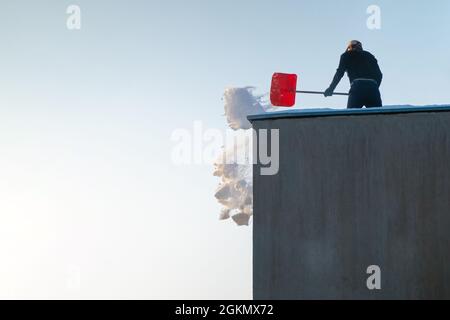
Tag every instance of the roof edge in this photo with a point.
(309, 113)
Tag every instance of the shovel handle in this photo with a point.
(320, 92)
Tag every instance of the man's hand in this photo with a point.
(328, 92)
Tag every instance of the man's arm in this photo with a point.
(337, 77)
(378, 73)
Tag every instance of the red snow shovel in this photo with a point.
(284, 88)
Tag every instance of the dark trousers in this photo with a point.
(364, 93)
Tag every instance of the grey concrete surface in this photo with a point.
(355, 190)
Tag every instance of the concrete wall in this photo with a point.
(355, 190)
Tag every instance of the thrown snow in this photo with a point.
(235, 191)
(239, 103)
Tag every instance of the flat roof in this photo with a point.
(308, 113)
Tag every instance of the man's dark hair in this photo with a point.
(354, 45)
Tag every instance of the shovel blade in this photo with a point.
(282, 89)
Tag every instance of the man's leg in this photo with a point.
(355, 100)
(374, 98)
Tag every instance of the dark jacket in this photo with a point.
(358, 65)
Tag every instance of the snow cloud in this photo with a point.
(235, 191)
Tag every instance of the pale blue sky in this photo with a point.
(86, 179)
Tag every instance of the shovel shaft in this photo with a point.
(320, 92)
